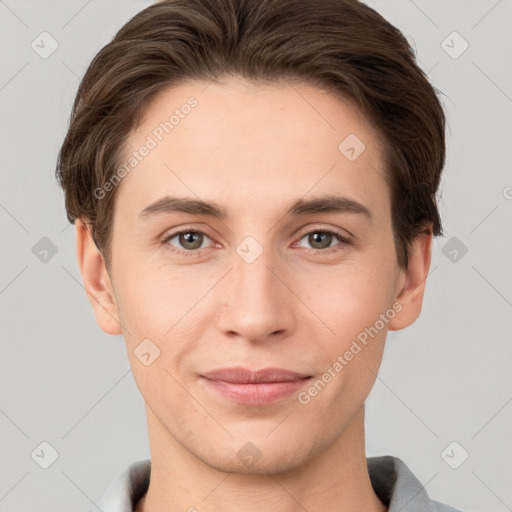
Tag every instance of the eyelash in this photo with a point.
(193, 252)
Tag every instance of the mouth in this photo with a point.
(260, 387)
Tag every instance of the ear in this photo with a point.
(96, 280)
(412, 283)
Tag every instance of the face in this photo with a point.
(255, 234)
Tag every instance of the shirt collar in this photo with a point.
(391, 479)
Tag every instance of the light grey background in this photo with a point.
(447, 378)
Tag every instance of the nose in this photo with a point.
(255, 303)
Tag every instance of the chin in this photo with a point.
(260, 457)
(268, 465)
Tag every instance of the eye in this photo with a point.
(323, 239)
(187, 240)
(190, 241)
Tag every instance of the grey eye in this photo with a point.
(320, 239)
(188, 240)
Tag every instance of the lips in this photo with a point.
(254, 387)
(241, 375)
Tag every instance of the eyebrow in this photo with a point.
(323, 204)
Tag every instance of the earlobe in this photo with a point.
(410, 293)
(96, 280)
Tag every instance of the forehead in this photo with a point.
(252, 142)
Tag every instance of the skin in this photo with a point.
(254, 150)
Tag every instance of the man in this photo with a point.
(253, 188)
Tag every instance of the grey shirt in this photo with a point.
(391, 479)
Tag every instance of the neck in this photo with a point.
(334, 479)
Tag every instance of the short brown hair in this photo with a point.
(342, 46)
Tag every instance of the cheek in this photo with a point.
(154, 300)
(349, 297)
(352, 306)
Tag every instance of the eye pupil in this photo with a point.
(318, 240)
(191, 240)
